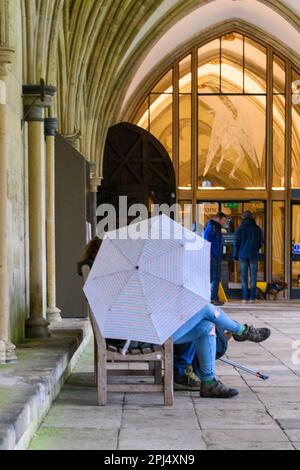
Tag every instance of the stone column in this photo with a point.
(95, 182)
(53, 313)
(7, 349)
(35, 102)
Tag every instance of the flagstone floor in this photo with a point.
(266, 415)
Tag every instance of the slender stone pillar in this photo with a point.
(95, 182)
(35, 102)
(53, 313)
(7, 349)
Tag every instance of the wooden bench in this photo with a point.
(158, 358)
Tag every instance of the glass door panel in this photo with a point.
(295, 291)
(231, 278)
(231, 269)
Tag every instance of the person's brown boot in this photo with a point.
(217, 390)
(186, 381)
(256, 335)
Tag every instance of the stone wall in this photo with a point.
(17, 181)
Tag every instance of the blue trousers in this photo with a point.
(200, 332)
(185, 354)
(247, 265)
(215, 277)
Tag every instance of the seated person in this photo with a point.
(89, 254)
(200, 330)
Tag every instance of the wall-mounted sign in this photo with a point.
(228, 238)
(207, 208)
(296, 249)
(231, 205)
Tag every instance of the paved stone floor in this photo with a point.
(266, 415)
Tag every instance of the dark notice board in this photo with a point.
(71, 217)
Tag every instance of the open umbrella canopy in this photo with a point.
(148, 279)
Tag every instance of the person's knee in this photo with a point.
(212, 330)
(216, 313)
(212, 312)
(209, 308)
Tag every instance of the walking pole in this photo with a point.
(259, 375)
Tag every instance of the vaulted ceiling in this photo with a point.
(93, 49)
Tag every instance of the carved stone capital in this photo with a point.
(34, 103)
(95, 182)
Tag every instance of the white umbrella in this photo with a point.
(145, 289)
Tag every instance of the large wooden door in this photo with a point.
(136, 165)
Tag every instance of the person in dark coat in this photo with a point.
(89, 255)
(248, 241)
(213, 234)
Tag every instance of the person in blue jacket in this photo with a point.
(248, 241)
(213, 234)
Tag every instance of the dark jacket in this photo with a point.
(248, 240)
(212, 233)
(80, 264)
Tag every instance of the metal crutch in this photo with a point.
(259, 375)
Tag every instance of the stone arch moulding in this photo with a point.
(253, 32)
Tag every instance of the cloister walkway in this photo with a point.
(266, 415)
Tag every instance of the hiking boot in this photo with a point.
(187, 381)
(189, 372)
(217, 390)
(256, 335)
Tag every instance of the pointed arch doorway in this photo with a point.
(136, 166)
